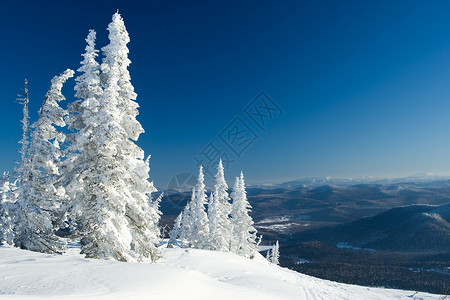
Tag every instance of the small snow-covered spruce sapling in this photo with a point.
(274, 254)
(185, 227)
(175, 232)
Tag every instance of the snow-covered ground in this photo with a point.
(180, 274)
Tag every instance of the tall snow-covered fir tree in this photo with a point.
(243, 237)
(120, 222)
(45, 152)
(82, 155)
(33, 229)
(219, 209)
(83, 120)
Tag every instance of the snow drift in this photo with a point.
(180, 274)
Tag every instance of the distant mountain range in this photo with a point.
(340, 203)
(414, 228)
(320, 181)
(187, 181)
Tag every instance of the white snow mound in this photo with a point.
(180, 274)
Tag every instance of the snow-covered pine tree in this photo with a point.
(121, 221)
(175, 232)
(198, 219)
(191, 225)
(143, 213)
(219, 209)
(33, 229)
(45, 152)
(243, 237)
(83, 120)
(88, 88)
(185, 228)
(8, 208)
(275, 254)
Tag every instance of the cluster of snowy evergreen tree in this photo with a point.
(80, 167)
(223, 226)
(81, 172)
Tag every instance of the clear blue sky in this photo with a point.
(364, 86)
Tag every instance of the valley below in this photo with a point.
(383, 234)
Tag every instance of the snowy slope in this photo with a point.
(180, 274)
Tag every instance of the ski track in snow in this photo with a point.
(181, 273)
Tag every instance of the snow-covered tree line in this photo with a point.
(81, 168)
(222, 226)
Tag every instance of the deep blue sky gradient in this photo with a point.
(364, 85)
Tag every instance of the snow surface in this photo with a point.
(180, 274)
